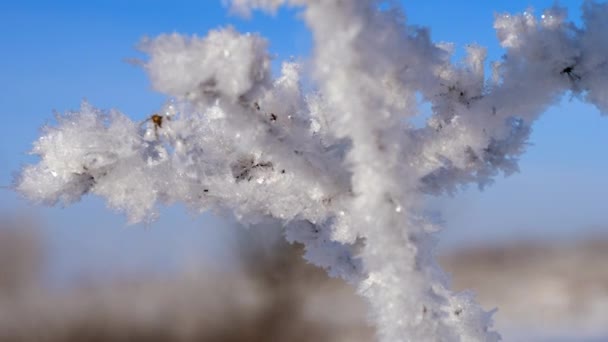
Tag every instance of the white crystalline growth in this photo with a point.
(341, 168)
(223, 62)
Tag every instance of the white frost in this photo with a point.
(342, 167)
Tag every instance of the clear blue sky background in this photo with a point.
(55, 53)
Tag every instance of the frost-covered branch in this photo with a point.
(341, 167)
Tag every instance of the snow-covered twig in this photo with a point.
(342, 168)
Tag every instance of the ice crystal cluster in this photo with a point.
(338, 162)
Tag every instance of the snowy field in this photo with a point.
(544, 293)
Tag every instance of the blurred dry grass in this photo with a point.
(21, 255)
(275, 296)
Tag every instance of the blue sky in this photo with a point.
(56, 53)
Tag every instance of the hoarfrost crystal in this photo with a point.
(343, 168)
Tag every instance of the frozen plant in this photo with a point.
(341, 166)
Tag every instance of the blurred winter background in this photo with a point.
(535, 244)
